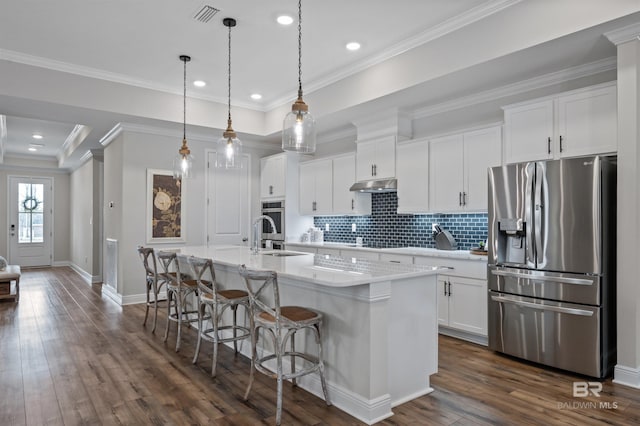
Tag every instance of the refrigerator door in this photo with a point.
(562, 335)
(567, 217)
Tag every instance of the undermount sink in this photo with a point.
(281, 253)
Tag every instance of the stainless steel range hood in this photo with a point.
(381, 185)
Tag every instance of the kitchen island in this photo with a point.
(380, 322)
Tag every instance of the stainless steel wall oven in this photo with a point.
(275, 210)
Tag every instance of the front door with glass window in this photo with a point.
(30, 217)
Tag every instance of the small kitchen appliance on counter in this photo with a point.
(444, 239)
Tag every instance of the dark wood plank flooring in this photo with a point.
(71, 356)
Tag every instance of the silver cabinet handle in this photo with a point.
(372, 170)
(353, 204)
(313, 206)
(577, 281)
(270, 189)
(571, 311)
(560, 143)
(549, 145)
(459, 198)
(445, 287)
(449, 288)
(464, 198)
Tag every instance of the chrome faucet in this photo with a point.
(256, 233)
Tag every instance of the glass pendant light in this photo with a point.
(229, 147)
(183, 162)
(299, 127)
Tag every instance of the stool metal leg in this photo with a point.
(201, 309)
(293, 358)
(170, 297)
(146, 313)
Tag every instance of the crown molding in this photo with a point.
(545, 80)
(66, 67)
(624, 34)
(457, 22)
(31, 169)
(111, 135)
(337, 135)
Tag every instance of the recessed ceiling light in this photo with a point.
(354, 45)
(285, 20)
(32, 149)
(37, 136)
(199, 83)
(256, 96)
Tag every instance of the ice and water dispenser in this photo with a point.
(512, 241)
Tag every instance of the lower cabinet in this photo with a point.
(462, 304)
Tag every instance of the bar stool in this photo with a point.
(179, 287)
(154, 282)
(216, 302)
(281, 323)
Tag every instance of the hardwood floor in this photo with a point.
(70, 356)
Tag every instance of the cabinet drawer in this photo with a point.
(360, 254)
(331, 252)
(460, 267)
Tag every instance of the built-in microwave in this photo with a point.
(275, 210)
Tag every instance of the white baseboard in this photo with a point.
(626, 376)
(135, 299)
(112, 294)
(60, 263)
(90, 279)
(469, 337)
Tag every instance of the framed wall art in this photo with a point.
(165, 207)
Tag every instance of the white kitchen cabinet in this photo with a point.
(376, 159)
(297, 247)
(571, 124)
(462, 304)
(588, 122)
(316, 188)
(345, 201)
(458, 169)
(462, 297)
(329, 251)
(412, 172)
(272, 176)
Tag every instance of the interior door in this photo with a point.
(30, 220)
(227, 203)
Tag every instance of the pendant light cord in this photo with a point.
(300, 49)
(184, 102)
(229, 78)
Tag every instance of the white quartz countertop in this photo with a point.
(409, 251)
(319, 269)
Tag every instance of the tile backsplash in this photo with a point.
(387, 228)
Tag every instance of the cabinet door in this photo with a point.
(443, 300)
(482, 149)
(365, 159)
(587, 122)
(446, 174)
(345, 201)
(528, 132)
(385, 161)
(323, 187)
(272, 177)
(307, 188)
(468, 305)
(396, 258)
(413, 177)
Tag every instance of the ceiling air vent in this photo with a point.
(205, 13)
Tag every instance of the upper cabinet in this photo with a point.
(345, 201)
(324, 188)
(376, 159)
(272, 176)
(413, 176)
(458, 169)
(316, 187)
(580, 122)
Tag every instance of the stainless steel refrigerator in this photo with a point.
(551, 263)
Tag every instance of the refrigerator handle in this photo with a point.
(539, 215)
(529, 213)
